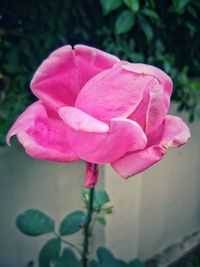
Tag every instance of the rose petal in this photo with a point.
(175, 133)
(140, 113)
(157, 109)
(61, 76)
(124, 135)
(145, 69)
(42, 134)
(135, 163)
(112, 93)
(156, 99)
(80, 121)
(25, 120)
(96, 57)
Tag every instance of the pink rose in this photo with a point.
(96, 108)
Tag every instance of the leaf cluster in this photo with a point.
(34, 222)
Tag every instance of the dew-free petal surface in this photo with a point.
(43, 134)
(61, 76)
(145, 69)
(137, 162)
(124, 135)
(156, 110)
(80, 121)
(174, 133)
(112, 93)
(153, 108)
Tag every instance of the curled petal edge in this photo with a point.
(157, 73)
(175, 133)
(41, 133)
(37, 151)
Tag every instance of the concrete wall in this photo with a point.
(27, 183)
(151, 210)
(159, 206)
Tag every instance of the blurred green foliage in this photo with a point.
(162, 33)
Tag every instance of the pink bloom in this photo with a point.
(96, 108)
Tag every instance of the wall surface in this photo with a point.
(27, 183)
(159, 206)
(151, 211)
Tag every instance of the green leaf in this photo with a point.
(104, 255)
(124, 22)
(136, 263)
(63, 262)
(150, 13)
(121, 263)
(49, 251)
(34, 223)
(147, 29)
(134, 5)
(68, 253)
(107, 259)
(137, 57)
(93, 263)
(68, 259)
(13, 60)
(113, 263)
(110, 5)
(72, 222)
(58, 262)
(180, 4)
(108, 210)
(100, 197)
(101, 220)
(153, 3)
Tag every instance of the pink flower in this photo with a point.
(96, 108)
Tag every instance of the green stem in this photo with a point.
(87, 224)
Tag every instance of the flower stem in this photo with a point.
(87, 223)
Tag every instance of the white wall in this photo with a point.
(27, 183)
(159, 206)
(151, 210)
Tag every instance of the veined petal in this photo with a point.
(156, 110)
(62, 75)
(145, 69)
(174, 133)
(43, 134)
(123, 136)
(153, 108)
(112, 93)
